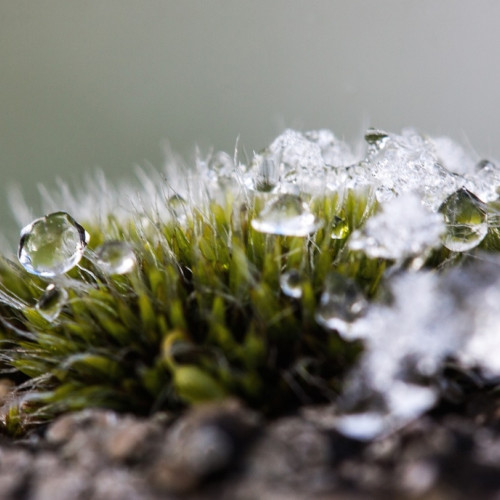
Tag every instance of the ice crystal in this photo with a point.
(404, 228)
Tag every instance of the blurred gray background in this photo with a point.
(87, 84)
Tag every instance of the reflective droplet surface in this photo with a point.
(178, 207)
(115, 257)
(466, 221)
(51, 302)
(52, 245)
(287, 215)
(341, 303)
(340, 229)
(376, 139)
(291, 284)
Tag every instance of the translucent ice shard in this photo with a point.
(403, 229)
(287, 215)
(298, 162)
(486, 180)
(397, 164)
(340, 305)
(115, 257)
(291, 284)
(465, 216)
(51, 302)
(52, 245)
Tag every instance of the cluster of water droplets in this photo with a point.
(53, 245)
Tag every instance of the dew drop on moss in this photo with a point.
(115, 257)
(291, 284)
(340, 229)
(178, 207)
(51, 302)
(52, 245)
(286, 215)
(341, 303)
(465, 219)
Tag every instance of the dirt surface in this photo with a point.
(226, 451)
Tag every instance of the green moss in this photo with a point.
(201, 317)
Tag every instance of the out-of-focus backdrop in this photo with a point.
(105, 83)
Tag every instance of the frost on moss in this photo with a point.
(199, 310)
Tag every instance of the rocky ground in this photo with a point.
(226, 451)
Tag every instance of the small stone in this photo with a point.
(206, 441)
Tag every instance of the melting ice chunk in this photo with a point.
(51, 302)
(52, 245)
(287, 215)
(115, 257)
(341, 303)
(466, 221)
(403, 229)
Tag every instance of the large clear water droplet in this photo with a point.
(341, 303)
(466, 221)
(52, 245)
(51, 302)
(287, 215)
(291, 284)
(115, 257)
(340, 229)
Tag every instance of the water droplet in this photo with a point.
(115, 257)
(377, 139)
(291, 284)
(51, 302)
(341, 303)
(466, 221)
(52, 245)
(267, 176)
(221, 163)
(340, 228)
(287, 215)
(178, 207)
(485, 164)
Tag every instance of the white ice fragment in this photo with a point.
(404, 228)
(335, 152)
(298, 162)
(453, 156)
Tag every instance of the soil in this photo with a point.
(227, 451)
